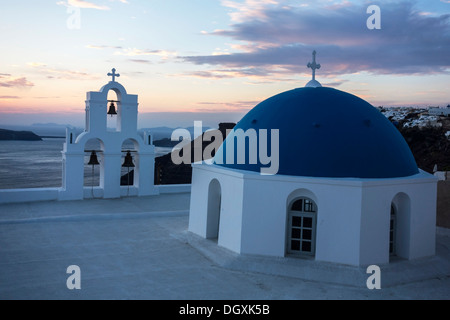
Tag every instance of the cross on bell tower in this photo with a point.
(113, 75)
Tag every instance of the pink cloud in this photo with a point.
(9, 97)
(16, 82)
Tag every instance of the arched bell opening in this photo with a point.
(129, 174)
(113, 111)
(93, 164)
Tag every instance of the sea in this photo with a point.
(38, 164)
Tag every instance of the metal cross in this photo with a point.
(113, 75)
(314, 66)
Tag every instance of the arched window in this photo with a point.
(301, 236)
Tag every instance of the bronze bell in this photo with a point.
(128, 163)
(93, 161)
(112, 109)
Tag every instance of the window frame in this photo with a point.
(309, 210)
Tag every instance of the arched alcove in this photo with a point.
(214, 206)
(401, 207)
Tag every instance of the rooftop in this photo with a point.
(139, 248)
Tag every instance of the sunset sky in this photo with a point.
(215, 59)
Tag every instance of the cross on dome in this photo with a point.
(113, 75)
(314, 66)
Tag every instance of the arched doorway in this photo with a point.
(214, 207)
(400, 221)
(302, 222)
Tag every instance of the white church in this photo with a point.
(347, 190)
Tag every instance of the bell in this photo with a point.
(112, 109)
(93, 161)
(128, 163)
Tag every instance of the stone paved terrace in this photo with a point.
(139, 248)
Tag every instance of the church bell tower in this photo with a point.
(108, 149)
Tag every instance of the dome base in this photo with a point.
(313, 84)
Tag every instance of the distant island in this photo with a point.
(19, 135)
(166, 142)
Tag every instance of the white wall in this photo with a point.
(415, 201)
(199, 201)
(352, 220)
(231, 212)
(266, 212)
(55, 194)
(254, 212)
(423, 220)
(375, 222)
(28, 195)
(339, 220)
(264, 217)
(230, 223)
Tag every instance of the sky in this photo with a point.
(214, 60)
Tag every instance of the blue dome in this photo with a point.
(324, 132)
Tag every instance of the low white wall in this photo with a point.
(55, 194)
(28, 195)
(173, 188)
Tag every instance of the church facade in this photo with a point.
(347, 191)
